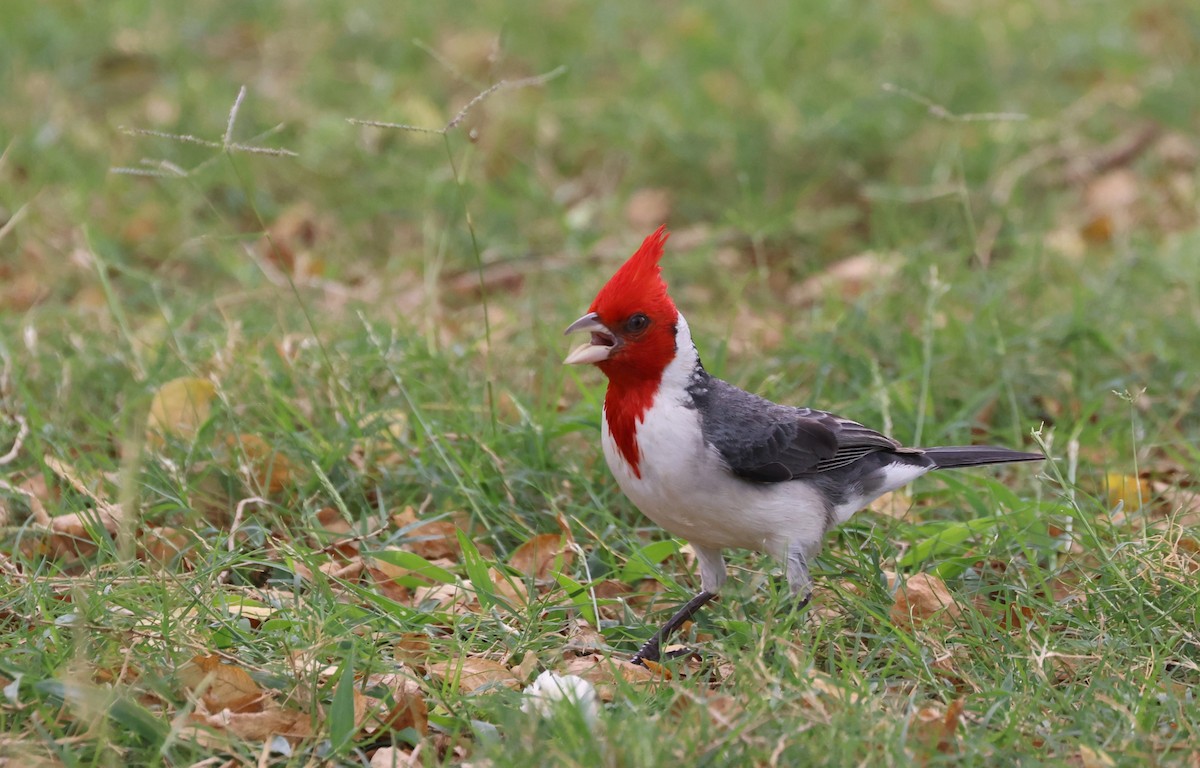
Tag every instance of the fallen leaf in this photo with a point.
(179, 408)
(412, 648)
(385, 576)
(260, 726)
(395, 757)
(827, 688)
(893, 504)
(935, 729)
(1090, 757)
(608, 673)
(345, 571)
(539, 555)
(1128, 492)
(722, 708)
(648, 208)
(222, 686)
(402, 706)
(473, 52)
(921, 599)
(1112, 193)
(848, 278)
(164, 546)
(290, 238)
(489, 280)
(583, 638)
(431, 540)
(610, 593)
(264, 467)
(71, 532)
(37, 494)
(458, 598)
(511, 589)
(255, 614)
(1017, 616)
(474, 674)
(383, 441)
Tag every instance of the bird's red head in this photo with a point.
(633, 323)
(632, 319)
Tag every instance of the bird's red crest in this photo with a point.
(635, 370)
(638, 285)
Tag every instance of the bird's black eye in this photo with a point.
(637, 323)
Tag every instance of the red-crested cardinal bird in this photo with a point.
(719, 466)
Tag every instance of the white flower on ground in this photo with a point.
(550, 692)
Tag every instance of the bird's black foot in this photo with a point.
(648, 652)
(652, 650)
(656, 655)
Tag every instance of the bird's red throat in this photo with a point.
(637, 362)
(625, 405)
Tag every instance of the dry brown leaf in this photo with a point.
(431, 540)
(264, 468)
(921, 599)
(333, 521)
(255, 614)
(609, 594)
(260, 726)
(75, 480)
(829, 690)
(164, 546)
(1067, 241)
(290, 238)
(1110, 200)
(607, 673)
(70, 531)
(403, 707)
(721, 708)
(37, 494)
(474, 52)
(474, 674)
(648, 208)
(511, 589)
(385, 433)
(1179, 503)
(456, 598)
(412, 648)
(933, 728)
(395, 757)
(1017, 616)
(1094, 757)
(384, 574)
(540, 554)
(848, 278)
(583, 638)
(348, 570)
(895, 504)
(472, 284)
(178, 410)
(223, 686)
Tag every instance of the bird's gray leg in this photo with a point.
(799, 580)
(712, 576)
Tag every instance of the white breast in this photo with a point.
(685, 487)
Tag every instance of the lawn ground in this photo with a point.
(291, 473)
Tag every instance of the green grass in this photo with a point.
(334, 299)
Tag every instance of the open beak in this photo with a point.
(602, 344)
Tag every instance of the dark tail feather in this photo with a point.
(976, 455)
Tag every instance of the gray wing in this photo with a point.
(770, 443)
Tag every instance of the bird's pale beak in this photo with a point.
(602, 344)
